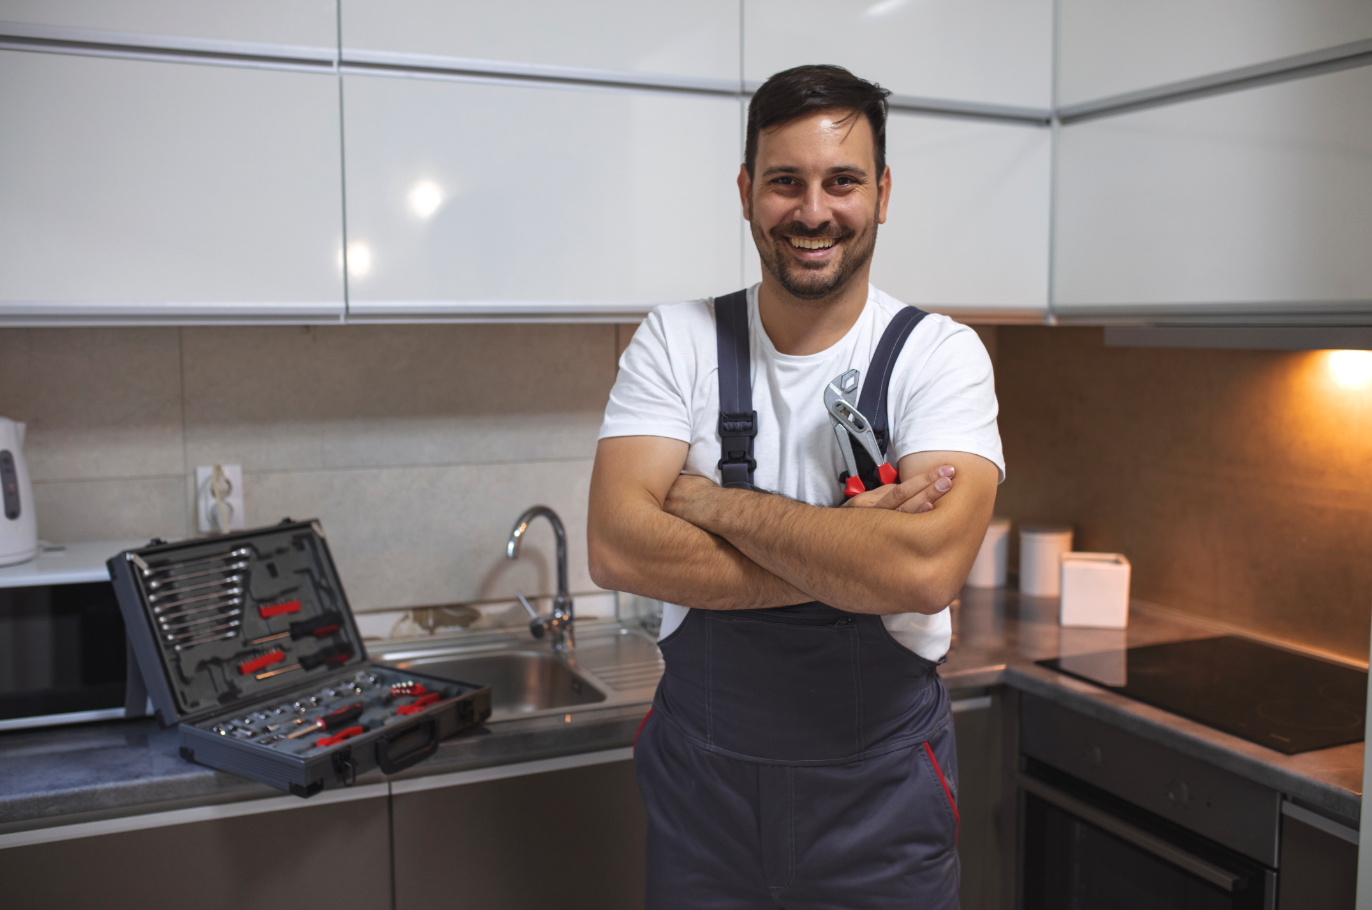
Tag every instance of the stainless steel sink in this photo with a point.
(522, 681)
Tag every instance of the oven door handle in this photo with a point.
(1139, 838)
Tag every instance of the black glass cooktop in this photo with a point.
(1275, 698)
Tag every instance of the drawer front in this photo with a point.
(1224, 807)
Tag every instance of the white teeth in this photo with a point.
(818, 243)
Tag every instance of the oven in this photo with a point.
(64, 657)
(1113, 821)
(1085, 850)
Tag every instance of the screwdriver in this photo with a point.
(331, 721)
(334, 654)
(321, 626)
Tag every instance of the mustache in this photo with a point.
(827, 230)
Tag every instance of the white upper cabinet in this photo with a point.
(985, 51)
(166, 191)
(697, 39)
(967, 227)
(311, 23)
(1110, 47)
(1254, 202)
(465, 193)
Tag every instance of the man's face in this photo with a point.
(815, 202)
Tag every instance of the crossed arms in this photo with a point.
(906, 548)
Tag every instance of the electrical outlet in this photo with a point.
(207, 510)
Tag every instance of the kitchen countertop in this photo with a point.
(999, 634)
(78, 774)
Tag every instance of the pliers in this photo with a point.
(849, 424)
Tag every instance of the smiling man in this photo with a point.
(800, 752)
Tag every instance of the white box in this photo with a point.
(1095, 590)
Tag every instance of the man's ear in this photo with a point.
(883, 194)
(745, 192)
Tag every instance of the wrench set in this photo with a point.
(248, 643)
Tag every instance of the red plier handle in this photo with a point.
(853, 485)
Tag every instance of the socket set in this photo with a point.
(247, 642)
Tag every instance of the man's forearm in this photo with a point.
(642, 550)
(861, 560)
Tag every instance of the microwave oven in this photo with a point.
(64, 657)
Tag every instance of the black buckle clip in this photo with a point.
(736, 433)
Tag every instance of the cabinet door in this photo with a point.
(334, 855)
(1251, 203)
(1108, 47)
(966, 232)
(697, 39)
(569, 839)
(987, 51)
(167, 191)
(463, 192)
(295, 22)
(985, 728)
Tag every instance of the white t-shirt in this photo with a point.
(942, 398)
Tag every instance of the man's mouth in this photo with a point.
(812, 243)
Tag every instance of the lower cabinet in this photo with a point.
(1318, 868)
(334, 855)
(570, 839)
(984, 723)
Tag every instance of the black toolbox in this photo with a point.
(246, 641)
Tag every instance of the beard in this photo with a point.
(820, 280)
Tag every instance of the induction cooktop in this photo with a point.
(1275, 698)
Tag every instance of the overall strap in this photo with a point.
(872, 402)
(737, 419)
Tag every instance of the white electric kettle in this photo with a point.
(18, 527)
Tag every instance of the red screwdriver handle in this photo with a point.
(257, 663)
(322, 625)
(341, 718)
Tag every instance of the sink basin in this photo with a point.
(522, 681)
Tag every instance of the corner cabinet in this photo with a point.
(149, 191)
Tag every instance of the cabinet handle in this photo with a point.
(1124, 831)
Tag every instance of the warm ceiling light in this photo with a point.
(359, 259)
(425, 198)
(1351, 369)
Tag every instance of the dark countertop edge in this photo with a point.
(1262, 766)
(503, 743)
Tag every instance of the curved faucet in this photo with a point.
(561, 620)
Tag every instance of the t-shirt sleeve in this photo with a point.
(647, 398)
(947, 402)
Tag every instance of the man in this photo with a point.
(797, 754)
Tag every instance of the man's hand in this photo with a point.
(916, 495)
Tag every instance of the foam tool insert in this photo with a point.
(247, 641)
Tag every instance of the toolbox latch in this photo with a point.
(343, 766)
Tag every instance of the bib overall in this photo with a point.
(796, 757)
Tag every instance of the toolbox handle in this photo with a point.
(392, 764)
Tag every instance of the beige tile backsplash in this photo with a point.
(416, 446)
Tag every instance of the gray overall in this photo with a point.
(796, 757)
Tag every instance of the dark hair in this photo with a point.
(805, 89)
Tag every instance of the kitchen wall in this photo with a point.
(417, 446)
(1236, 481)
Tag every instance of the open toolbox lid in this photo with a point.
(234, 619)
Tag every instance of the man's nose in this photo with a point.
(813, 209)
